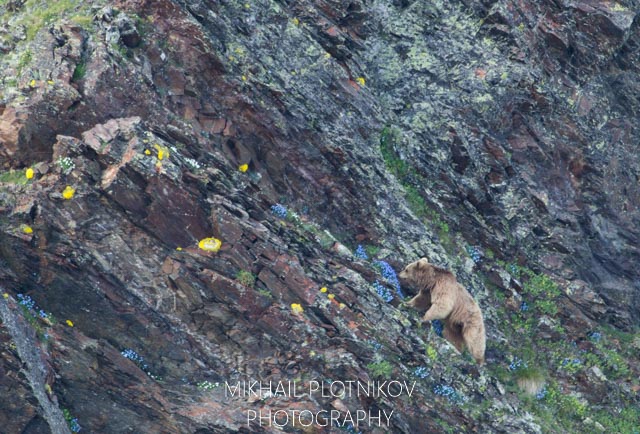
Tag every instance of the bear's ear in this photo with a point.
(423, 263)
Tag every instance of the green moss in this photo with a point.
(265, 293)
(537, 286)
(79, 72)
(381, 369)
(410, 180)
(245, 278)
(614, 364)
(623, 422)
(389, 138)
(371, 251)
(24, 60)
(431, 352)
(84, 21)
(38, 14)
(13, 177)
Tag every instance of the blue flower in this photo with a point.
(449, 393)
(360, 253)
(389, 274)
(541, 394)
(74, 426)
(351, 430)
(135, 357)
(43, 314)
(443, 390)
(595, 336)
(571, 362)
(375, 344)
(475, 253)
(524, 306)
(517, 363)
(26, 301)
(421, 372)
(438, 327)
(383, 291)
(279, 210)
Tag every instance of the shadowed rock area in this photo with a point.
(326, 144)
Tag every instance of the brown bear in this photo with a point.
(445, 299)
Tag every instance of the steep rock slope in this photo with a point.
(495, 138)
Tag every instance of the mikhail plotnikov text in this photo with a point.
(259, 390)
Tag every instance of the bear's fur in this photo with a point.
(445, 299)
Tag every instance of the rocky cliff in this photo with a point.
(201, 197)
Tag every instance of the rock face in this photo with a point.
(496, 138)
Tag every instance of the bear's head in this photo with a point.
(423, 276)
(418, 275)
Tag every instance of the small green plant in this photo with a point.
(265, 293)
(13, 177)
(246, 278)
(431, 352)
(626, 421)
(80, 71)
(66, 165)
(24, 60)
(381, 369)
(207, 385)
(616, 366)
(389, 138)
(538, 286)
(72, 422)
(84, 21)
(40, 14)
(372, 251)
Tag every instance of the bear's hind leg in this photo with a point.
(475, 340)
(453, 333)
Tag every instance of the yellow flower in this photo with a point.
(244, 78)
(68, 192)
(163, 152)
(331, 296)
(27, 229)
(243, 167)
(327, 55)
(69, 323)
(147, 152)
(323, 289)
(295, 21)
(296, 308)
(342, 305)
(50, 82)
(179, 249)
(32, 83)
(28, 173)
(360, 81)
(5, 295)
(210, 244)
